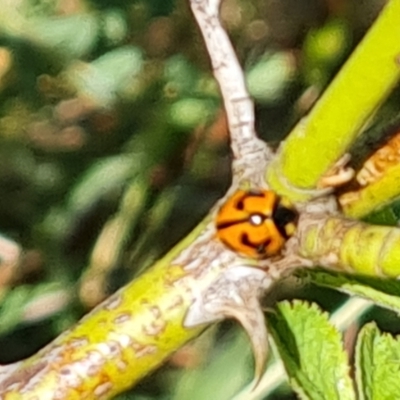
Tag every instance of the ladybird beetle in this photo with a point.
(256, 223)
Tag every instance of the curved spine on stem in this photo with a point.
(227, 71)
(198, 282)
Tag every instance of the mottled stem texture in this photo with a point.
(201, 280)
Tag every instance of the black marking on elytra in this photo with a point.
(258, 247)
(250, 193)
(227, 224)
(283, 216)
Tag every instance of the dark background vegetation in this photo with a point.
(113, 145)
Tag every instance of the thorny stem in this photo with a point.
(229, 75)
(198, 282)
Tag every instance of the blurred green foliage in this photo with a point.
(113, 145)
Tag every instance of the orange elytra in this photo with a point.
(256, 223)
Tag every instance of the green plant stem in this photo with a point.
(375, 195)
(352, 246)
(119, 342)
(321, 138)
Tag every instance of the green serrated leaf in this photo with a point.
(385, 293)
(364, 360)
(377, 364)
(312, 352)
